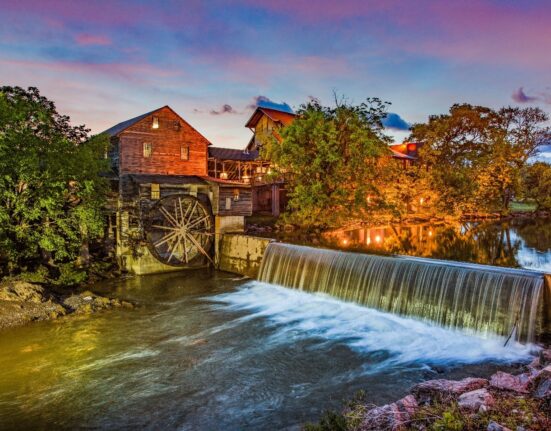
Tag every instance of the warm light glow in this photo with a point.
(344, 241)
(155, 124)
(368, 240)
(378, 239)
(412, 147)
(430, 232)
(421, 201)
(223, 175)
(246, 178)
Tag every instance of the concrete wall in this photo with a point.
(242, 254)
(145, 263)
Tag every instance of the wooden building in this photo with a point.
(167, 212)
(269, 196)
(266, 122)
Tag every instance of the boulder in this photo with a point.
(390, 416)
(494, 426)
(479, 399)
(22, 291)
(540, 385)
(442, 390)
(545, 357)
(508, 382)
(534, 367)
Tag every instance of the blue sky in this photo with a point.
(106, 61)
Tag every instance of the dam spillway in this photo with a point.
(483, 299)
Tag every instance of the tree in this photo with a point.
(51, 191)
(536, 184)
(332, 159)
(475, 154)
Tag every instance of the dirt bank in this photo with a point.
(22, 302)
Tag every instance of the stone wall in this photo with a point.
(242, 254)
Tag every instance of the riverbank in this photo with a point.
(22, 302)
(501, 403)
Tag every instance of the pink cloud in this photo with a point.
(477, 31)
(90, 39)
(137, 73)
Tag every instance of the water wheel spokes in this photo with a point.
(180, 230)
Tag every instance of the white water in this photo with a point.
(300, 315)
(485, 299)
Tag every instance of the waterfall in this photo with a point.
(479, 298)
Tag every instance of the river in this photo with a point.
(516, 243)
(210, 351)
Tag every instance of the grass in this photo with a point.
(521, 207)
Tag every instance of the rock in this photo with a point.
(545, 357)
(508, 382)
(476, 400)
(85, 308)
(390, 416)
(22, 291)
(442, 390)
(534, 366)
(87, 298)
(540, 385)
(127, 304)
(102, 301)
(494, 426)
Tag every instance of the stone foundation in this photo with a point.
(242, 254)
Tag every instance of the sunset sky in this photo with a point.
(105, 61)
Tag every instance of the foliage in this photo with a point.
(51, 192)
(536, 184)
(475, 154)
(351, 418)
(331, 157)
(509, 411)
(330, 421)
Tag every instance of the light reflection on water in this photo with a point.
(522, 243)
(207, 351)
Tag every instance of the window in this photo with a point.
(176, 125)
(147, 149)
(228, 203)
(155, 124)
(155, 191)
(184, 152)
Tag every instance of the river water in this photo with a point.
(209, 351)
(517, 243)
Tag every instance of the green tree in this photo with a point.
(536, 184)
(331, 157)
(475, 154)
(51, 191)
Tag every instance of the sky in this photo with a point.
(105, 61)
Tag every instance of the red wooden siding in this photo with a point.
(167, 141)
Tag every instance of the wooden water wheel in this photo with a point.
(179, 231)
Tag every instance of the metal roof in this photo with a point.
(121, 127)
(118, 128)
(232, 154)
(398, 155)
(282, 117)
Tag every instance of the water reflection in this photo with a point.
(517, 243)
